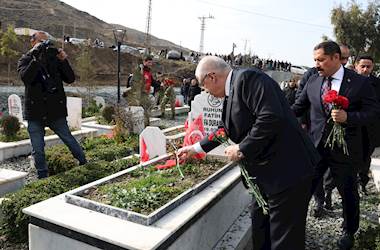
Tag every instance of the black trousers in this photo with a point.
(284, 227)
(344, 173)
(364, 167)
(326, 184)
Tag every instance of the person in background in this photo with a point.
(193, 91)
(146, 71)
(290, 92)
(371, 133)
(168, 97)
(185, 89)
(42, 69)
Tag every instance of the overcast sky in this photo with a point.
(277, 29)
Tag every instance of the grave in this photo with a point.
(15, 107)
(155, 142)
(193, 224)
(74, 112)
(137, 114)
(100, 101)
(11, 180)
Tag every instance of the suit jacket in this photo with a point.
(257, 116)
(371, 132)
(363, 108)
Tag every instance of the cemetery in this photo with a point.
(118, 201)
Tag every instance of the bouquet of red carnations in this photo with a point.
(221, 137)
(337, 133)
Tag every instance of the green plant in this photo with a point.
(92, 109)
(14, 224)
(10, 125)
(368, 236)
(108, 113)
(59, 159)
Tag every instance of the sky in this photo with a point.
(277, 29)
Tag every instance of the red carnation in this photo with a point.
(330, 96)
(211, 137)
(342, 101)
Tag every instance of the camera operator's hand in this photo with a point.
(61, 55)
(36, 50)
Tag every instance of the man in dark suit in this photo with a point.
(363, 108)
(371, 133)
(257, 117)
(323, 192)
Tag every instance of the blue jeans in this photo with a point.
(36, 130)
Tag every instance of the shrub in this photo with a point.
(368, 236)
(59, 159)
(107, 113)
(10, 126)
(92, 109)
(14, 224)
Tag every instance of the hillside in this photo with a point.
(59, 18)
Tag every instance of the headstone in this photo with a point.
(15, 106)
(74, 110)
(179, 100)
(210, 108)
(137, 114)
(155, 141)
(100, 101)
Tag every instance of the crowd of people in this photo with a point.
(289, 158)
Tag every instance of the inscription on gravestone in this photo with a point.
(211, 109)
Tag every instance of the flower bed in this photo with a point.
(145, 194)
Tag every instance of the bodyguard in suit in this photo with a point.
(371, 132)
(257, 117)
(363, 109)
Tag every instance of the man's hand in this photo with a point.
(61, 55)
(186, 152)
(233, 153)
(339, 115)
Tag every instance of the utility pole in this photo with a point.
(148, 28)
(203, 27)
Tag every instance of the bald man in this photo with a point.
(42, 69)
(257, 117)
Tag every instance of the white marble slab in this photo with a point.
(375, 169)
(11, 180)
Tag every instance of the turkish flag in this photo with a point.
(195, 133)
(144, 155)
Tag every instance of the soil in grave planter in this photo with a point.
(145, 190)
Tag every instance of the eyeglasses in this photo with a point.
(201, 83)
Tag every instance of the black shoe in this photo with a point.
(318, 212)
(328, 202)
(346, 242)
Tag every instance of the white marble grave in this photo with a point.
(74, 111)
(100, 101)
(155, 141)
(210, 108)
(137, 118)
(15, 106)
(11, 180)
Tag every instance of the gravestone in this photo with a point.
(137, 116)
(74, 112)
(100, 101)
(210, 108)
(155, 141)
(180, 100)
(15, 106)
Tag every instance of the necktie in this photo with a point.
(326, 87)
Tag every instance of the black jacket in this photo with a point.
(193, 91)
(258, 117)
(41, 101)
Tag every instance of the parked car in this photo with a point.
(299, 69)
(128, 49)
(173, 54)
(74, 40)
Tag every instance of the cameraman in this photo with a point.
(42, 69)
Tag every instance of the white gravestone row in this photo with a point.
(15, 106)
(211, 109)
(155, 141)
(74, 112)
